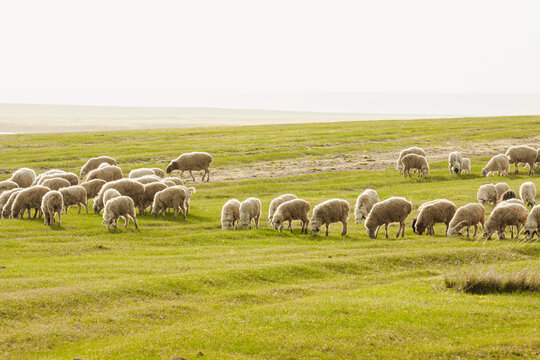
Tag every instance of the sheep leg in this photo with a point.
(398, 231)
(135, 220)
(175, 211)
(193, 177)
(60, 218)
(127, 221)
(183, 211)
(518, 230)
(326, 229)
(86, 206)
(207, 175)
(468, 231)
(290, 225)
(344, 230)
(386, 229)
(257, 223)
(531, 171)
(517, 170)
(79, 205)
(511, 232)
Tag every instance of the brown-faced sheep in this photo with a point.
(23, 177)
(250, 209)
(328, 212)
(364, 203)
(455, 162)
(55, 183)
(497, 164)
(107, 173)
(501, 188)
(522, 154)
(392, 210)
(466, 216)
(487, 194)
(6, 201)
(507, 195)
(437, 211)
(150, 190)
(126, 187)
(527, 193)
(94, 163)
(75, 196)
(121, 206)
(7, 185)
(276, 202)
(52, 203)
(532, 226)
(171, 197)
(413, 161)
(411, 150)
(192, 161)
(92, 187)
(28, 199)
(503, 216)
(230, 214)
(296, 209)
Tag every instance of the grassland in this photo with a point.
(186, 288)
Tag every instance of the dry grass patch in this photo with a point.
(491, 282)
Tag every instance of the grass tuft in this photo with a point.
(491, 282)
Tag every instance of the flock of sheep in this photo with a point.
(54, 191)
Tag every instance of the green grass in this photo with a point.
(178, 288)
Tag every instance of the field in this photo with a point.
(189, 289)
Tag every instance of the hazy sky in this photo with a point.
(130, 52)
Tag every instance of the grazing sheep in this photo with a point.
(107, 173)
(276, 202)
(75, 196)
(168, 182)
(189, 191)
(503, 216)
(28, 199)
(56, 183)
(522, 154)
(110, 194)
(532, 226)
(51, 204)
(147, 179)
(6, 201)
(137, 173)
(23, 177)
(413, 161)
(250, 209)
(501, 189)
(94, 163)
(171, 197)
(364, 203)
(192, 161)
(103, 164)
(392, 210)
(7, 185)
(438, 211)
(466, 166)
(497, 164)
(175, 180)
(126, 187)
(121, 206)
(328, 212)
(487, 194)
(71, 177)
(46, 173)
(296, 209)
(411, 150)
(92, 187)
(160, 173)
(466, 216)
(527, 193)
(150, 190)
(455, 162)
(230, 215)
(507, 195)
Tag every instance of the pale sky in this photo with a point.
(201, 53)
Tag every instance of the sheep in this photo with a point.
(276, 202)
(507, 195)
(94, 163)
(192, 161)
(150, 190)
(56, 183)
(230, 214)
(175, 180)
(71, 177)
(103, 164)
(512, 201)
(527, 193)
(7, 185)
(137, 173)
(75, 196)
(411, 150)
(296, 209)
(147, 179)
(413, 161)
(466, 166)
(250, 209)
(47, 173)
(6, 203)
(23, 177)
(455, 162)
(487, 194)
(160, 173)
(391, 210)
(121, 206)
(437, 211)
(364, 203)
(110, 194)
(522, 154)
(92, 187)
(189, 191)
(501, 188)
(328, 212)
(126, 187)
(171, 197)
(28, 199)
(497, 164)
(532, 226)
(168, 182)
(52, 203)
(466, 216)
(503, 216)
(107, 173)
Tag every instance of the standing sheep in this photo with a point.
(501, 188)
(6, 201)
(230, 214)
(94, 163)
(392, 210)
(121, 206)
(23, 177)
(503, 216)
(55, 183)
(147, 179)
(276, 202)
(438, 211)
(296, 209)
(466, 216)
(137, 173)
(75, 196)
(413, 161)
(507, 195)
(532, 226)
(466, 166)
(188, 191)
(110, 194)
(364, 203)
(411, 150)
(522, 154)
(497, 164)
(7, 185)
(328, 212)
(487, 194)
(250, 209)
(160, 173)
(92, 187)
(527, 193)
(46, 173)
(150, 190)
(171, 197)
(71, 177)
(28, 199)
(126, 187)
(192, 161)
(175, 180)
(455, 162)
(51, 204)
(107, 173)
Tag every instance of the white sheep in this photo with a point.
(391, 210)
(230, 214)
(276, 202)
(169, 183)
(7, 185)
(364, 203)
(250, 209)
(189, 191)
(174, 179)
(92, 187)
(71, 177)
(296, 209)
(532, 226)
(466, 166)
(6, 201)
(497, 164)
(23, 177)
(501, 189)
(110, 194)
(28, 199)
(75, 196)
(46, 173)
(121, 206)
(107, 173)
(522, 154)
(147, 179)
(465, 217)
(328, 212)
(192, 161)
(413, 161)
(94, 163)
(487, 194)
(150, 190)
(161, 173)
(455, 162)
(137, 173)
(171, 197)
(52, 203)
(433, 212)
(503, 216)
(55, 183)
(126, 187)
(411, 150)
(527, 193)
